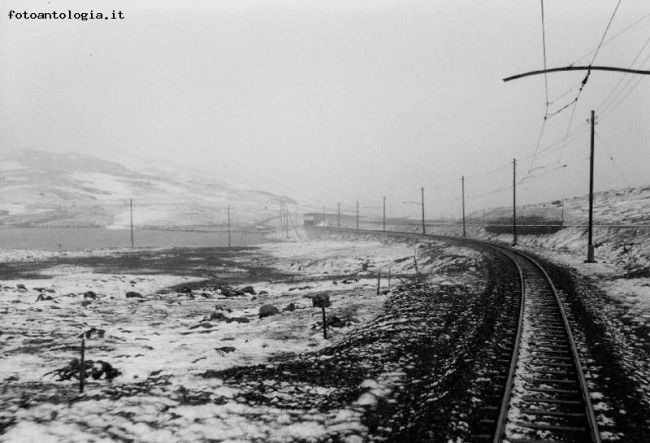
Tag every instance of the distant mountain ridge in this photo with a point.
(45, 189)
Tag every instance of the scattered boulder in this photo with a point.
(239, 320)
(263, 293)
(21, 286)
(229, 292)
(220, 316)
(268, 310)
(290, 307)
(186, 290)
(300, 288)
(91, 295)
(42, 297)
(95, 369)
(336, 322)
(248, 290)
(226, 349)
(133, 294)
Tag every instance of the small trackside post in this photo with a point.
(82, 365)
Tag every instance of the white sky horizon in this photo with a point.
(339, 100)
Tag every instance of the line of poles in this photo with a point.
(590, 241)
(228, 224)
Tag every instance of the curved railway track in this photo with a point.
(545, 396)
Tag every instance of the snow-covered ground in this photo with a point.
(164, 341)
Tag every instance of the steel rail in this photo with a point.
(584, 388)
(507, 394)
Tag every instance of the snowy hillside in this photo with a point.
(40, 189)
(621, 227)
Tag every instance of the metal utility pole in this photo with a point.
(590, 246)
(339, 218)
(462, 180)
(384, 217)
(424, 231)
(590, 242)
(281, 214)
(514, 202)
(357, 215)
(131, 204)
(229, 239)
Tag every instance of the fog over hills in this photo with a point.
(44, 189)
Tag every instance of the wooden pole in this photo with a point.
(424, 231)
(339, 216)
(357, 215)
(82, 367)
(229, 235)
(514, 202)
(590, 245)
(131, 204)
(462, 180)
(378, 282)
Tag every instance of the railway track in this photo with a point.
(546, 394)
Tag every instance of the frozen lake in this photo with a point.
(61, 239)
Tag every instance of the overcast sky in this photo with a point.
(339, 100)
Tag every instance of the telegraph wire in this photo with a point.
(626, 76)
(574, 103)
(541, 132)
(610, 107)
(611, 157)
(486, 174)
(623, 99)
(613, 37)
(611, 19)
(565, 93)
(544, 55)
